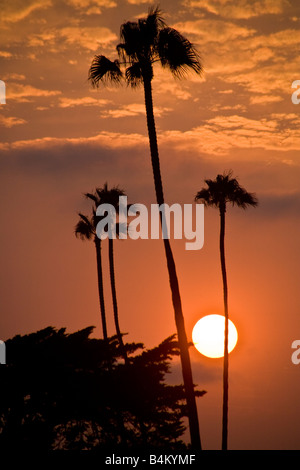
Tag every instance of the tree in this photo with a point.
(218, 193)
(67, 391)
(86, 230)
(111, 196)
(143, 43)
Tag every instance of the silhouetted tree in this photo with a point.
(219, 192)
(111, 196)
(86, 230)
(68, 391)
(143, 43)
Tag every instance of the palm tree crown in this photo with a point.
(225, 189)
(142, 44)
(85, 227)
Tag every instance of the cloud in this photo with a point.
(14, 76)
(266, 79)
(21, 93)
(265, 99)
(16, 10)
(5, 54)
(88, 37)
(243, 9)
(226, 92)
(92, 7)
(221, 107)
(219, 31)
(291, 117)
(261, 63)
(113, 140)
(281, 39)
(137, 2)
(39, 40)
(85, 101)
(216, 136)
(10, 121)
(166, 85)
(133, 109)
(222, 134)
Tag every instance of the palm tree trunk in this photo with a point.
(176, 299)
(100, 286)
(225, 294)
(114, 298)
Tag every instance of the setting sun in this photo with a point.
(208, 336)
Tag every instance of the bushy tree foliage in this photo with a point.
(72, 392)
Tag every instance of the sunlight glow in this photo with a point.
(208, 335)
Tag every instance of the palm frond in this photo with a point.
(150, 26)
(91, 196)
(204, 197)
(84, 228)
(110, 196)
(133, 74)
(155, 20)
(122, 53)
(104, 70)
(177, 53)
(131, 44)
(139, 38)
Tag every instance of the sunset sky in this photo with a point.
(61, 138)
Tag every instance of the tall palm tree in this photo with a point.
(111, 196)
(143, 43)
(86, 230)
(218, 193)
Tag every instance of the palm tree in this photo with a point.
(218, 193)
(111, 196)
(86, 230)
(143, 43)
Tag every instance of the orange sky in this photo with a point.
(60, 138)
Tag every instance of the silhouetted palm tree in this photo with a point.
(143, 43)
(86, 230)
(111, 196)
(218, 193)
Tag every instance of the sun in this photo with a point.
(208, 335)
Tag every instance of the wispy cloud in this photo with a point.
(87, 37)
(222, 134)
(5, 54)
(243, 9)
(85, 101)
(216, 136)
(134, 109)
(11, 121)
(21, 92)
(106, 139)
(209, 31)
(265, 99)
(92, 7)
(137, 2)
(15, 10)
